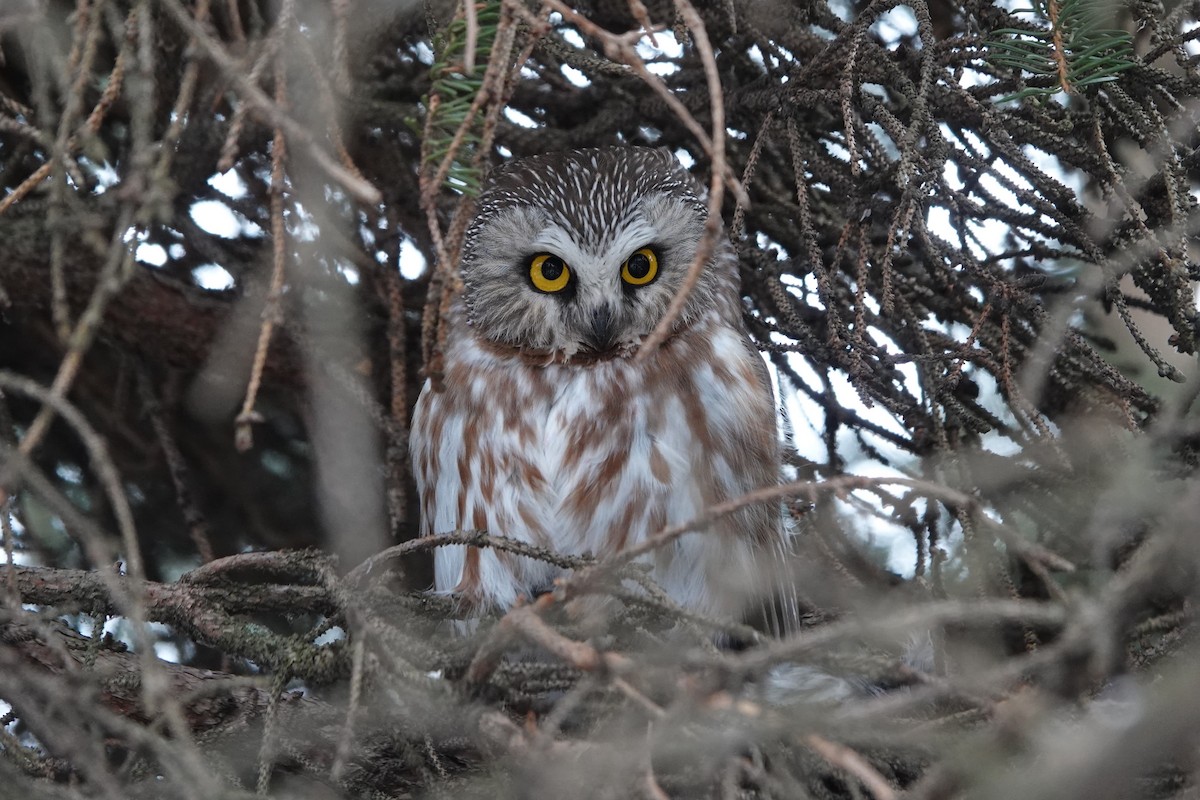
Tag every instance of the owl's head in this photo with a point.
(583, 251)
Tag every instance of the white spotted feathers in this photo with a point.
(547, 430)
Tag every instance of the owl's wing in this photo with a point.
(475, 469)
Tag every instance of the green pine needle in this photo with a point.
(455, 89)
(1068, 43)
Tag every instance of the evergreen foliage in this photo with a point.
(214, 321)
(1066, 47)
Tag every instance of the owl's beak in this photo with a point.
(602, 333)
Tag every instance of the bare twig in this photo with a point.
(716, 188)
(359, 188)
(273, 309)
(852, 762)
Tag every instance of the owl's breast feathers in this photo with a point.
(595, 457)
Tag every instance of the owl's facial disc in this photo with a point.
(599, 294)
(584, 251)
(595, 306)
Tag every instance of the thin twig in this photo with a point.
(716, 188)
(359, 188)
(273, 309)
(852, 762)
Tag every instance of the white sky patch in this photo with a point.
(121, 629)
(519, 118)
(876, 89)
(212, 276)
(837, 150)
(806, 416)
(571, 36)
(685, 158)
(334, 634)
(21, 559)
(990, 233)
(167, 651)
(996, 442)
(769, 245)
(907, 369)
(424, 53)
(970, 78)
(667, 51)
(889, 146)
(649, 134)
(986, 237)
(950, 175)
(69, 473)
(1192, 47)
(152, 254)
(18, 529)
(849, 399)
(968, 139)
(412, 260)
(104, 174)
(807, 282)
(303, 227)
(901, 547)
(896, 24)
(216, 218)
(844, 11)
(349, 272)
(575, 76)
(1011, 174)
(368, 235)
(783, 52)
(989, 396)
(667, 46)
(807, 422)
(229, 183)
(1053, 167)
(937, 220)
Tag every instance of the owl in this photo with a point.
(547, 429)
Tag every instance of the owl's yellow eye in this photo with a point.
(640, 268)
(548, 273)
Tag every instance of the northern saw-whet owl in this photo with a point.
(546, 429)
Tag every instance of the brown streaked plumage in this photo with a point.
(546, 429)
